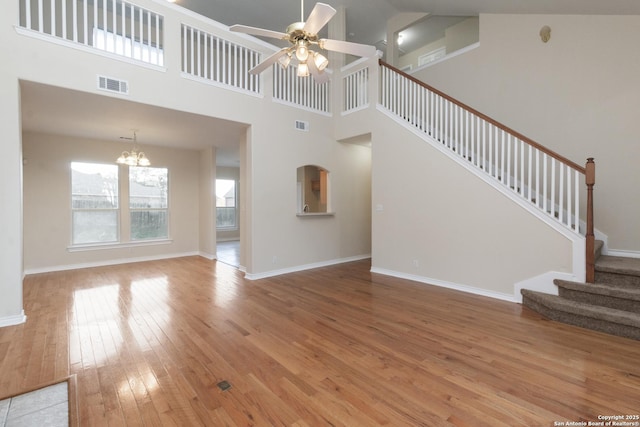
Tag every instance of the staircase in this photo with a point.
(610, 305)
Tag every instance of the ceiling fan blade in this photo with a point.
(319, 76)
(258, 32)
(318, 18)
(356, 49)
(269, 61)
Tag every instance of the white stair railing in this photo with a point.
(548, 181)
(214, 59)
(113, 26)
(355, 90)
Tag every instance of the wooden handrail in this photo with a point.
(590, 180)
(488, 119)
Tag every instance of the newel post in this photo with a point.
(590, 180)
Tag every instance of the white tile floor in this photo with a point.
(46, 407)
(228, 253)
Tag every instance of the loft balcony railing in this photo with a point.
(129, 31)
(213, 59)
(300, 91)
(113, 26)
(355, 87)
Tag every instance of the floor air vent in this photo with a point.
(113, 85)
(303, 126)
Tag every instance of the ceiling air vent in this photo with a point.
(303, 126)
(113, 85)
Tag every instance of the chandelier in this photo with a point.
(133, 157)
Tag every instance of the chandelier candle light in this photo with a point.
(133, 157)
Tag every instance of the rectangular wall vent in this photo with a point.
(113, 85)
(303, 126)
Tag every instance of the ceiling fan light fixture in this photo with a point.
(320, 60)
(301, 36)
(302, 51)
(303, 69)
(285, 60)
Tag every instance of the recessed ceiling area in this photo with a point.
(59, 111)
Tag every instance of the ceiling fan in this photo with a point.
(302, 35)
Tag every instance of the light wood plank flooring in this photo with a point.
(336, 346)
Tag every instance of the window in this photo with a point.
(148, 207)
(94, 203)
(225, 204)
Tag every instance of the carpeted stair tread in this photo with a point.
(618, 265)
(559, 304)
(600, 289)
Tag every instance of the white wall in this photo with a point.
(578, 94)
(434, 221)
(10, 177)
(206, 231)
(281, 239)
(462, 34)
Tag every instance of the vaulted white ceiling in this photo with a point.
(366, 19)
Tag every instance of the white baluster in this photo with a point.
(513, 163)
(545, 174)
(576, 219)
(40, 17)
(569, 198)
(529, 172)
(561, 195)
(509, 181)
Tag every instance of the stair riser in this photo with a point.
(621, 280)
(584, 322)
(601, 300)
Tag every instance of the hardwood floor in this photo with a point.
(336, 346)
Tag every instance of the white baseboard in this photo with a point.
(107, 263)
(272, 273)
(621, 253)
(13, 320)
(443, 284)
(207, 255)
